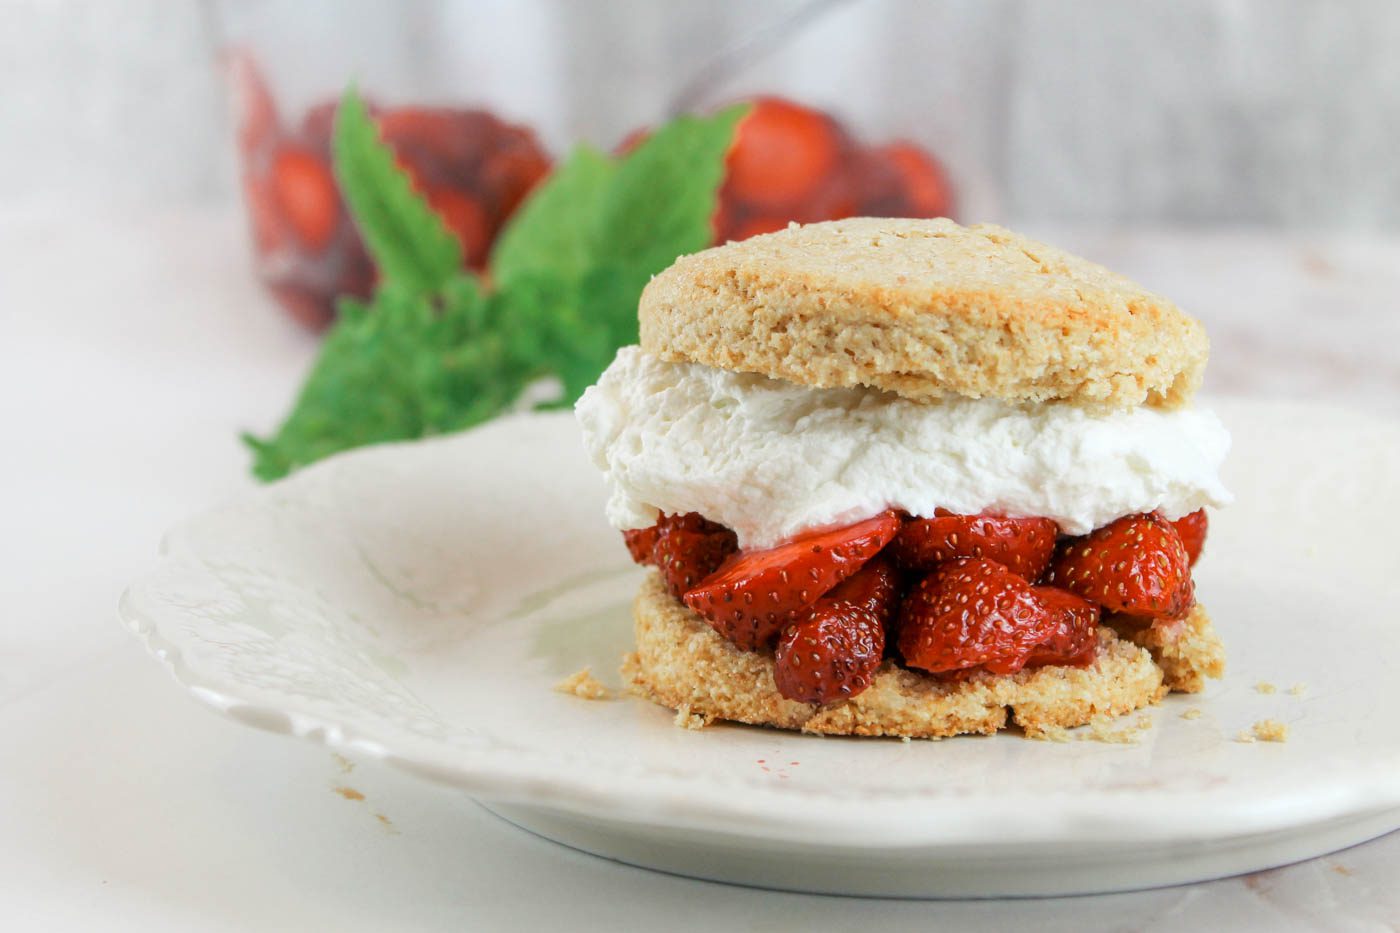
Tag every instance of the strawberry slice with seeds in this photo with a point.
(1192, 530)
(685, 556)
(874, 587)
(1136, 565)
(831, 653)
(973, 612)
(755, 594)
(1025, 545)
(641, 542)
(1075, 639)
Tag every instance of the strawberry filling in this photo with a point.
(950, 595)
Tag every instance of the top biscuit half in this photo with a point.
(927, 309)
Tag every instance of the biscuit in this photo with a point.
(1188, 651)
(927, 309)
(683, 664)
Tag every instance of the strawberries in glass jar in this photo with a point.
(473, 168)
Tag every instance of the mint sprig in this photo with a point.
(435, 350)
(411, 246)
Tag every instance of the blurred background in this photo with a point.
(1226, 114)
(1260, 112)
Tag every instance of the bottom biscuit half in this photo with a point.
(682, 663)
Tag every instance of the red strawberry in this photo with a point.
(901, 179)
(755, 593)
(1192, 530)
(782, 153)
(1075, 638)
(641, 542)
(1025, 545)
(305, 192)
(466, 219)
(1135, 565)
(874, 587)
(972, 612)
(686, 557)
(831, 653)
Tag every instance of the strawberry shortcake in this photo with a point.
(903, 477)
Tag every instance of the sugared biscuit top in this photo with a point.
(927, 309)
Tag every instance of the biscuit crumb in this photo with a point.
(1298, 690)
(583, 684)
(1265, 687)
(1265, 730)
(904, 739)
(1192, 713)
(685, 719)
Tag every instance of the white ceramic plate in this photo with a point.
(416, 603)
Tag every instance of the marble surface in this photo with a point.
(133, 349)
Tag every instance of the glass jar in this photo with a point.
(851, 103)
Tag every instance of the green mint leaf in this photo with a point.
(432, 352)
(408, 242)
(406, 366)
(597, 231)
(660, 204)
(553, 233)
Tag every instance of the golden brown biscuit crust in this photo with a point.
(1188, 651)
(927, 309)
(683, 664)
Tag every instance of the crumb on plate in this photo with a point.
(1265, 687)
(1192, 713)
(1265, 730)
(583, 684)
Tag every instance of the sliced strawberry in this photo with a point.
(1075, 638)
(923, 182)
(831, 653)
(782, 152)
(1025, 545)
(972, 612)
(874, 587)
(466, 219)
(305, 191)
(1192, 530)
(641, 542)
(1136, 565)
(685, 557)
(755, 593)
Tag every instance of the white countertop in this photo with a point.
(133, 350)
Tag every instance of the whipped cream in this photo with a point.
(771, 459)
